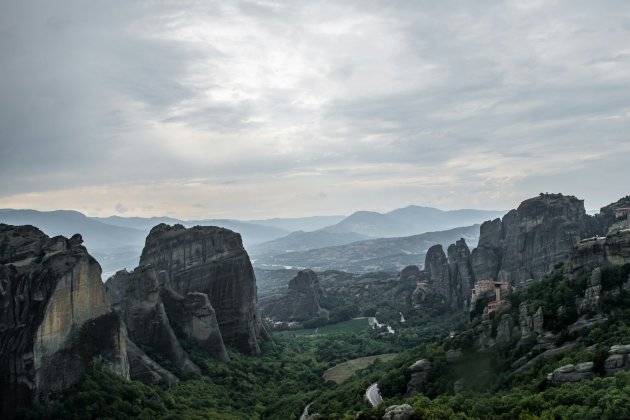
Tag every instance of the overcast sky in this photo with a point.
(250, 109)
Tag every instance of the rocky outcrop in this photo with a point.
(135, 295)
(571, 373)
(530, 325)
(603, 252)
(301, 302)
(504, 329)
(420, 372)
(212, 261)
(411, 274)
(398, 412)
(529, 241)
(195, 318)
(450, 277)
(606, 217)
(460, 267)
(143, 368)
(54, 317)
(618, 359)
(593, 292)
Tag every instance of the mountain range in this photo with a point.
(117, 241)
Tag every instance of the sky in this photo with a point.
(255, 109)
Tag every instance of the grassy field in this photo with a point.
(344, 370)
(354, 325)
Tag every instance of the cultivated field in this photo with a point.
(343, 371)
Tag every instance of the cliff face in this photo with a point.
(136, 296)
(212, 261)
(450, 277)
(301, 302)
(54, 316)
(603, 252)
(530, 240)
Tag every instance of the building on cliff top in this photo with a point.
(485, 288)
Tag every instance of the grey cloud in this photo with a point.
(230, 93)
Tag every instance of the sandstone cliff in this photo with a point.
(212, 261)
(529, 241)
(54, 317)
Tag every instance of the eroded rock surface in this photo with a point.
(603, 252)
(195, 317)
(450, 277)
(136, 296)
(54, 317)
(529, 241)
(212, 261)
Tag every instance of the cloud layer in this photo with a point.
(265, 108)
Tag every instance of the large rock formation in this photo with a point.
(212, 261)
(54, 317)
(196, 319)
(462, 276)
(603, 252)
(532, 239)
(450, 277)
(606, 218)
(301, 302)
(136, 296)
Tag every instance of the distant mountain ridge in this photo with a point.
(410, 220)
(116, 241)
(382, 254)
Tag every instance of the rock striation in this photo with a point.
(210, 260)
(136, 296)
(301, 302)
(529, 241)
(54, 317)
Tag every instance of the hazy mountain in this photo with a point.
(96, 235)
(250, 232)
(300, 223)
(142, 223)
(303, 241)
(384, 254)
(116, 242)
(115, 247)
(409, 220)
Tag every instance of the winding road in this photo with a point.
(373, 395)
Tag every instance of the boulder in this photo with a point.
(398, 412)
(571, 373)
